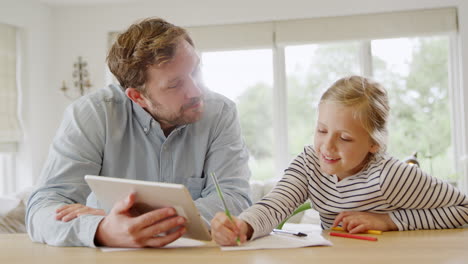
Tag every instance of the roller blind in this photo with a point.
(325, 29)
(232, 37)
(225, 37)
(373, 26)
(10, 132)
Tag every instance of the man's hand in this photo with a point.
(225, 232)
(156, 228)
(71, 211)
(360, 222)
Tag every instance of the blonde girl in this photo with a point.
(349, 178)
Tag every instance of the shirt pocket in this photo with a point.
(195, 186)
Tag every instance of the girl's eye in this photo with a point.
(321, 131)
(346, 139)
(174, 85)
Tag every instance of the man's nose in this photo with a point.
(194, 89)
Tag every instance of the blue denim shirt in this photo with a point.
(105, 133)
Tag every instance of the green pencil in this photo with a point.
(226, 210)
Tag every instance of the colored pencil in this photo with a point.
(353, 236)
(373, 232)
(221, 196)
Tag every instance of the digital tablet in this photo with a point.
(150, 196)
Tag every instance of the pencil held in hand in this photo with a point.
(226, 210)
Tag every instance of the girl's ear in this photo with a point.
(136, 96)
(374, 148)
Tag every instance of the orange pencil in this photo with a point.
(353, 236)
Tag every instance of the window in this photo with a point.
(310, 69)
(409, 52)
(413, 70)
(7, 170)
(250, 86)
(10, 132)
(308, 55)
(417, 79)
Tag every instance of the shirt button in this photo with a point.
(145, 129)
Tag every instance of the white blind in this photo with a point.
(373, 26)
(10, 132)
(326, 29)
(225, 37)
(232, 37)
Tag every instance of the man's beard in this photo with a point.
(179, 118)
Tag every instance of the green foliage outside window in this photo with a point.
(420, 115)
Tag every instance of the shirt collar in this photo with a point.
(143, 117)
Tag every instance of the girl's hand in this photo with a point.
(360, 222)
(71, 211)
(225, 232)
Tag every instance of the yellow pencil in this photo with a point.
(374, 232)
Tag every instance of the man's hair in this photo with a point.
(152, 41)
(370, 102)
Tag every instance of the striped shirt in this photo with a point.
(412, 198)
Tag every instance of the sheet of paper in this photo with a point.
(179, 243)
(276, 241)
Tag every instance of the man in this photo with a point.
(161, 125)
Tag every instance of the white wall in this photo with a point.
(37, 92)
(82, 31)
